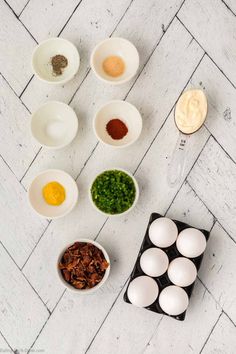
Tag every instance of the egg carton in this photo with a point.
(163, 280)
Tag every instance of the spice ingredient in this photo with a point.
(116, 129)
(114, 66)
(59, 62)
(54, 193)
(113, 192)
(83, 265)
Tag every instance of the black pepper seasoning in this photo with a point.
(59, 62)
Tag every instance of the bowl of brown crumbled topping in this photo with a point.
(55, 61)
(83, 266)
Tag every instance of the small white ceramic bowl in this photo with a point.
(54, 125)
(43, 53)
(118, 47)
(136, 194)
(124, 111)
(96, 287)
(37, 201)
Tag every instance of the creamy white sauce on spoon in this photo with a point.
(191, 111)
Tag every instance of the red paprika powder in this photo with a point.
(116, 129)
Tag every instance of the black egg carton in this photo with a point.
(163, 280)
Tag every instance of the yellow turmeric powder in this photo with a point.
(54, 193)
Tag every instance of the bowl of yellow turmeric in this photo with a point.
(53, 193)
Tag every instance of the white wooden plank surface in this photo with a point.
(70, 323)
(121, 236)
(160, 95)
(218, 270)
(16, 144)
(78, 30)
(189, 336)
(104, 157)
(221, 117)
(116, 330)
(223, 338)
(188, 208)
(51, 14)
(15, 54)
(118, 334)
(213, 178)
(4, 346)
(41, 267)
(17, 5)
(103, 323)
(231, 5)
(210, 22)
(20, 227)
(22, 312)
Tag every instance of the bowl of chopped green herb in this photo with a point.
(114, 192)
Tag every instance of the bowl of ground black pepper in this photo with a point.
(117, 124)
(55, 61)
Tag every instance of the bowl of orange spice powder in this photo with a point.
(53, 193)
(115, 60)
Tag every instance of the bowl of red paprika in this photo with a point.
(117, 123)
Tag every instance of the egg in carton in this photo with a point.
(166, 267)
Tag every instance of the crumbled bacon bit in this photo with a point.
(83, 265)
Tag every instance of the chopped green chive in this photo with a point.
(113, 192)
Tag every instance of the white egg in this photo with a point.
(173, 300)
(191, 243)
(154, 262)
(182, 271)
(142, 291)
(163, 232)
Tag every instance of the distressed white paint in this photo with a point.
(17, 5)
(52, 16)
(77, 320)
(122, 236)
(213, 25)
(222, 339)
(221, 117)
(127, 329)
(22, 312)
(16, 144)
(20, 227)
(4, 346)
(16, 48)
(218, 270)
(188, 208)
(213, 179)
(152, 14)
(117, 330)
(189, 336)
(231, 4)
(85, 34)
(104, 157)
(41, 267)
(160, 95)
